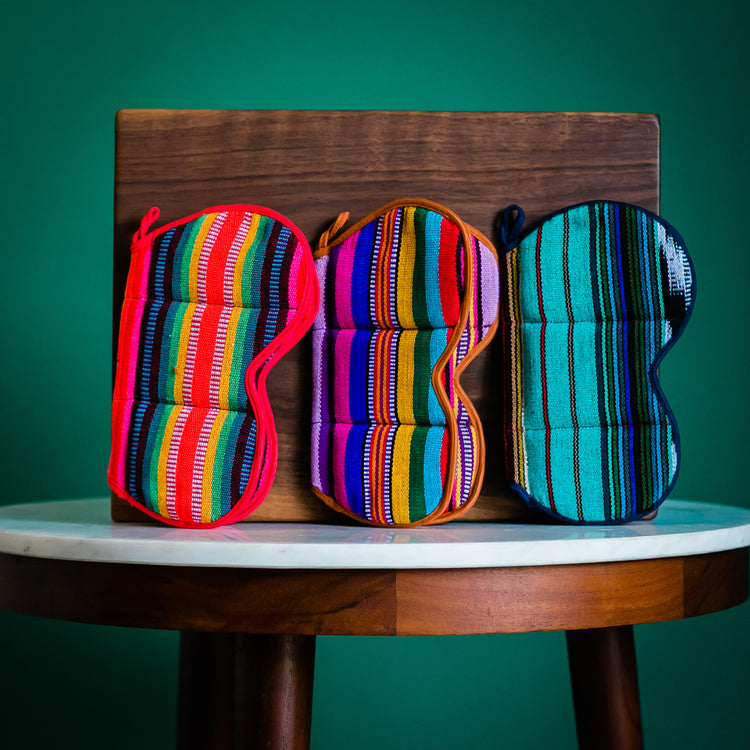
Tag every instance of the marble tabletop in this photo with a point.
(83, 530)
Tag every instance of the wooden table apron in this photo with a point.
(374, 602)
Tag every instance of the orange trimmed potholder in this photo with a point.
(409, 298)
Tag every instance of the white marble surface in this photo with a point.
(82, 530)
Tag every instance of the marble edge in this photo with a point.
(321, 556)
(99, 546)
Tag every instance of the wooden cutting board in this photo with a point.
(312, 165)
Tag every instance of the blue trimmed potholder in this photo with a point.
(595, 296)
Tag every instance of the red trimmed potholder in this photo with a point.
(212, 301)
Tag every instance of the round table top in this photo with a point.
(82, 530)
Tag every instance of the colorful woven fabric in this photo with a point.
(409, 298)
(595, 297)
(211, 301)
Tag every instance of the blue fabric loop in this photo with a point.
(509, 227)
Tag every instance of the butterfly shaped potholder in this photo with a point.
(594, 296)
(409, 298)
(212, 301)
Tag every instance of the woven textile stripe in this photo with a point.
(202, 303)
(392, 296)
(399, 272)
(596, 295)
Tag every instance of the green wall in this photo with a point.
(68, 66)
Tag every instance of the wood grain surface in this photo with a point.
(312, 165)
(245, 691)
(379, 602)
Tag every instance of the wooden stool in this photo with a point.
(251, 598)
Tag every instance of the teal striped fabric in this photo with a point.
(597, 294)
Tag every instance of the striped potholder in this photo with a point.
(409, 298)
(595, 295)
(211, 302)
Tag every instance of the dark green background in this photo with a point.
(68, 66)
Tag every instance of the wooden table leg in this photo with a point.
(206, 696)
(275, 689)
(604, 677)
(244, 692)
